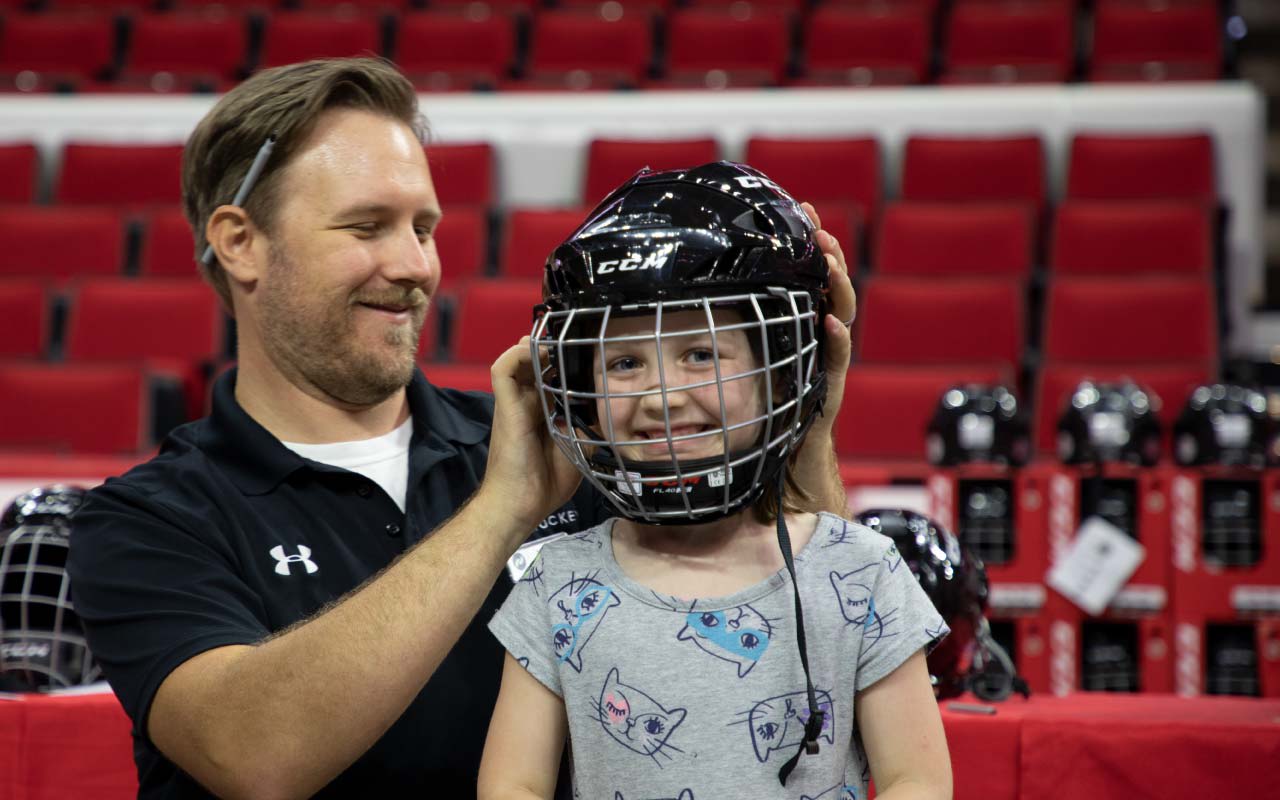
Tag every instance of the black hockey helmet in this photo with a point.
(42, 645)
(706, 239)
(956, 581)
(979, 423)
(1104, 422)
(1223, 424)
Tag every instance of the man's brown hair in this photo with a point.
(285, 102)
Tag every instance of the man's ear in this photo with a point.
(233, 236)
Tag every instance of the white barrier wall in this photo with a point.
(541, 138)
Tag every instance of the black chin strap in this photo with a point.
(813, 726)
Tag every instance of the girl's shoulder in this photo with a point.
(842, 539)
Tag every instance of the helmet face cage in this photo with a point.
(570, 344)
(41, 641)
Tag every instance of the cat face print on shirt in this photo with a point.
(777, 724)
(582, 604)
(686, 794)
(738, 635)
(637, 721)
(858, 605)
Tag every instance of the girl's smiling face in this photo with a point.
(686, 360)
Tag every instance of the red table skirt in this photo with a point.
(1083, 747)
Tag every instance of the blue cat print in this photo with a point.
(778, 723)
(582, 602)
(858, 605)
(636, 721)
(738, 635)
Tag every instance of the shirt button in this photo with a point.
(393, 529)
(364, 490)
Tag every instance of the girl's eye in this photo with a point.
(624, 364)
(701, 355)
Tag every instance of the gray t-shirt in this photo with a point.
(705, 699)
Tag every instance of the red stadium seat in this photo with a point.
(716, 49)
(955, 239)
(1115, 238)
(930, 321)
(1105, 167)
(24, 307)
(119, 319)
(463, 173)
(467, 377)
(44, 51)
(1153, 319)
(1165, 41)
(1009, 42)
(823, 171)
(529, 236)
(73, 408)
(291, 37)
(19, 163)
(442, 51)
(185, 51)
(951, 169)
(491, 317)
(60, 242)
(133, 174)
(481, 7)
(575, 49)
(610, 162)
(867, 46)
(462, 241)
(1171, 383)
(350, 8)
(886, 408)
(168, 249)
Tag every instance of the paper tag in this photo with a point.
(522, 558)
(1096, 565)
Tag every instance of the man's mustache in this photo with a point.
(394, 298)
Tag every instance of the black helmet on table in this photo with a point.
(706, 239)
(42, 644)
(968, 658)
(1223, 424)
(977, 423)
(1105, 422)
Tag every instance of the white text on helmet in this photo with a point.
(633, 263)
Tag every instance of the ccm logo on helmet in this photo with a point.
(634, 263)
(748, 182)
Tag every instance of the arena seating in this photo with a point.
(463, 45)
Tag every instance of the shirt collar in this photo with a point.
(257, 462)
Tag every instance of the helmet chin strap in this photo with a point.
(812, 726)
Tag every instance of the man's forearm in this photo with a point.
(283, 718)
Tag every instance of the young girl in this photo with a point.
(681, 648)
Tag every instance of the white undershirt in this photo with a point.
(382, 459)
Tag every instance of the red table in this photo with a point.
(1083, 747)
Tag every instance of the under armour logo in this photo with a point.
(283, 561)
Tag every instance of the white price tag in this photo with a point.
(1096, 565)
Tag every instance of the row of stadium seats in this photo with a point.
(903, 320)
(616, 45)
(943, 239)
(977, 325)
(882, 421)
(843, 170)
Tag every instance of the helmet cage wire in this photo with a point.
(560, 339)
(40, 636)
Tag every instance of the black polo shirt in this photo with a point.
(227, 536)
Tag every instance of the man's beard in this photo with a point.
(322, 347)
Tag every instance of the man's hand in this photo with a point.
(816, 468)
(527, 475)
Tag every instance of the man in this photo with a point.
(290, 599)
